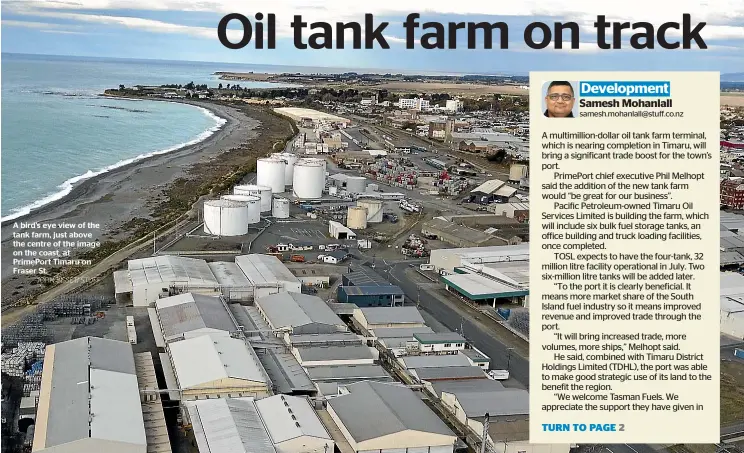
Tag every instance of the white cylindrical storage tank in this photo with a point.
(254, 205)
(356, 219)
(356, 184)
(281, 208)
(263, 192)
(374, 210)
(517, 172)
(270, 173)
(309, 179)
(290, 159)
(225, 218)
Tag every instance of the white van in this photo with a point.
(426, 267)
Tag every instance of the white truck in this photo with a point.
(426, 267)
(498, 375)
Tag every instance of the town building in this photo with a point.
(296, 313)
(413, 104)
(732, 193)
(402, 421)
(371, 318)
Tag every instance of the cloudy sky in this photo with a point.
(187, 30)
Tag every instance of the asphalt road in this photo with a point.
(499, 353)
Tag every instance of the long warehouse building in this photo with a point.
(89, 399)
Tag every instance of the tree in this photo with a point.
(219, 87)
(121, 87)
(189, 86)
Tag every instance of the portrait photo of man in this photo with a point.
(559, 100)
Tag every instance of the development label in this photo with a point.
(624, 258)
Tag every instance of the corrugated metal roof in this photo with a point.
(499, 402)
(362, 276)
(470, 385)
(189, 312)
(399, 332)
(229, 425)
(167, 269)
(92, 376)
(343, 372)
(474, 355)
(229, 274)
(374, 409)
(294, 310)
(264, 269)
(289, 417)
(392, 315)
(426, 361)
(318, 353)
(208, 358)
(450, 372)
(373, 290)
(439, 337)
(325, 338)
(489, 186)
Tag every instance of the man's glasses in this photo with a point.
(564, 97)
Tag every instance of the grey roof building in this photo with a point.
(382, 416)
(297, 313)
(448, 373)
(377, 317)
(333, 355)
(434, 360)
(90, 397)
(188, 315)
(229, 424)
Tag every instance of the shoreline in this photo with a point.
(137, 190)
(78, 188)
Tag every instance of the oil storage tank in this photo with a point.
(290, 159)
(309, 179)
(225, 218)
(281, 208)
(263, 192)
(373, 208)
(253, 203)
(270, 173)
(356, 184)
(356, 218)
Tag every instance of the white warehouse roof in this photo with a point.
(265, 271)
(291, 310)
(89, 390)
(230, 425)
(290, 417)
(168, 269)
(434, 360)
(189, 312)
(209, 358)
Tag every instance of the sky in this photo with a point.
(187, 30)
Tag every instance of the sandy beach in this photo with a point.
(136, 190)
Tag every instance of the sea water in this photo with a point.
(57, 130)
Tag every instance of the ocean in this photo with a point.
(57, 130)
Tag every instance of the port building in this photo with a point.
(189, 315)
(297, 313)
(402, 421)
(146, 280)
(89, 399)
(277, 424)
(371, 318)
(216, 366)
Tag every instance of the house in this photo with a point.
(335, 257)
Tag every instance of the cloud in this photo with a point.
(43, 26)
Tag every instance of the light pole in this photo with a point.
(508, 358)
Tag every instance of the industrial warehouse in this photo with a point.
(281, 316)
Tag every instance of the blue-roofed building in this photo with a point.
(371, 296)
(366, 288)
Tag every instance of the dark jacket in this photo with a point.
(570, 114)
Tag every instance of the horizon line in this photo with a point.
(342, 69)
